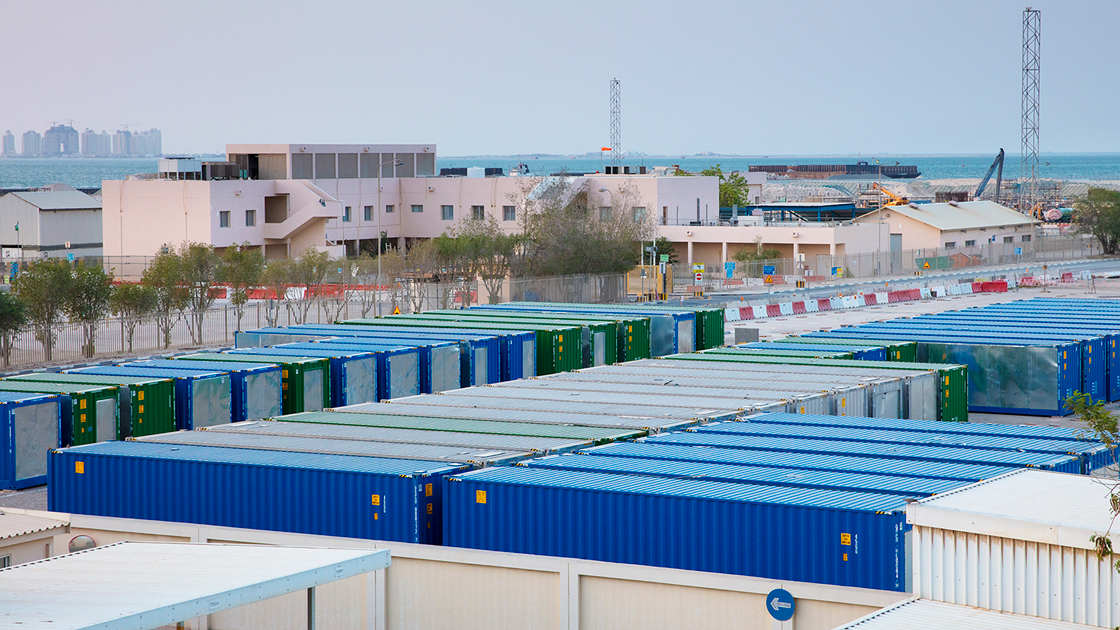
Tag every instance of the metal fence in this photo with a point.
(218, 325)
(885, 264)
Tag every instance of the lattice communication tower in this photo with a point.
(1032, 56)
(616, 123)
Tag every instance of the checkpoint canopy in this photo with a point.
(143, 584)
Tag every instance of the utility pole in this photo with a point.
(616, 123)
(1032, 56)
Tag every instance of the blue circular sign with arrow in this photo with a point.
(779, 603)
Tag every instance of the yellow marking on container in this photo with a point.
(429, 508)
(845, 539)
(141, 410)
(284, 386)
(480, 496)
(140, 394)
(377, 499)
(283, 373)
(82, 404)
(375, 516)
(428, 490)
(845, 557)
(843, 402)
(83, 417)
(80, 468)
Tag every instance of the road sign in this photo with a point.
(769, 280)
(926, 266)
(664, 258)
(697, 267)
(838, 271)
(729, 269)
(780, 604)
(70, 257)
(768, 270)
(1018, 251)
(699, 278)
(663, 263)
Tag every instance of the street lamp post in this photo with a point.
(377, 291)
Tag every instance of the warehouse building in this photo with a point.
(50, 224)
(961, 225)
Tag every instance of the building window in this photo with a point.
(447, 213)
(367, 213)
(250, 218)
(1026, 238)
(605, 214)
(223, 218)
(346, 214)
(417, 208)
(478, 213)
(950, 244)
(1009, 239)
(971, 243)
(638, 213)
(389, 209)
(5, 562)
(509, 213)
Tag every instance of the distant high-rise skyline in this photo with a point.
(63, 140)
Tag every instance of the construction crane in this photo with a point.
(895, 200)
(998, 164)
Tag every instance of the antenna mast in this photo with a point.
(1032, 55)
(616, 124)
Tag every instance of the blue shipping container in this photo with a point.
(31, 425)
(202, 399)
(257, 387)
(331, 495)
(353, 374)
(822, 536)
(398, 368)
(441, 362)
(862, 353)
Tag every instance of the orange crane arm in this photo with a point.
(895, 200)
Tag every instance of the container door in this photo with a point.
(404, 377)
(600, 349)
(264, 395)
(885, 402)
(313, 390)
(686, 331)
(528, 358)
(211, 401)
(481, 366)
(124, 404)
(585, 340)
(662, 335)
(106, 414)
(446, 368)
(361, 380)
(36, 432)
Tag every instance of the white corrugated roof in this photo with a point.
(59, 200)
(923, 614)
(12, 525)
(964, 215)
(146, 585)
(1035, 505)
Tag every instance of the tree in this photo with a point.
(164, 278)
(1102, 426)
(364, 272)
(665, 247)
(133, 303)
(489, 250)
(309, 271)
(277, 276)
(242, 269)
(13, 317)
(199, 265)
(1098, 214)
(733, 187)
(44, 287)
(87, 303)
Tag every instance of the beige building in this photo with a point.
(953, 225)
(55, 224)
(715, 245)
(291, 197)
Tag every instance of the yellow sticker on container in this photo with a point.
(283, 374)
(375, 516)
(83, 417)
(631, 329)
(480, 496)
(843, 402)
(845, 539)
(377, 499)
(284, 386)
(429, 508)
(560, 338)
(82, 404)
(428, 490)
(80, 468)
(141, 409)
(845, 557)
(140, 394)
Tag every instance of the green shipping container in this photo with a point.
(953, 381)
(294, 373)
(92, 416)
(553, 354)
(599, 335)
(599, 435)
(633, 332)
(792, 352)
(146, 405)
(710, 321)
(896, 350)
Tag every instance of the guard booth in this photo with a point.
(650, 282)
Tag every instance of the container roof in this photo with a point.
(60, 200)
(920, 614)
(12, 524)
(1033, 505)
(964, 215)
(142, 584)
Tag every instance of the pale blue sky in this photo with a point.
(810, 77)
